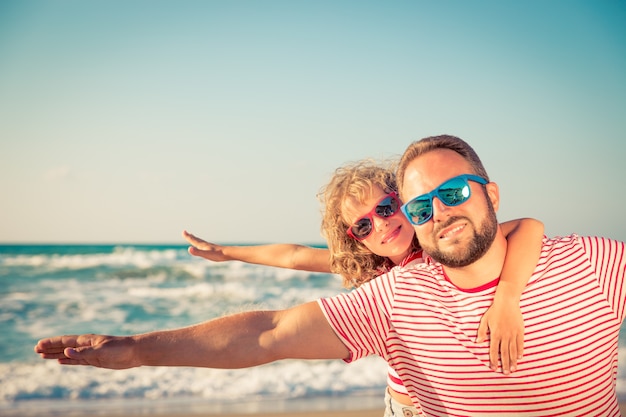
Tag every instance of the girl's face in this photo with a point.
(391, 236)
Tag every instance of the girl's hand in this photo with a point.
(505, 326)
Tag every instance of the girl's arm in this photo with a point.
(282, 255)
(504, 318)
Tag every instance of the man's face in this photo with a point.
(455, 236)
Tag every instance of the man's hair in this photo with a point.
(423, 146)
(349, 257)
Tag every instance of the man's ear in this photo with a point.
(493, 193)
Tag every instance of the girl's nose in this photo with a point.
(380, 223)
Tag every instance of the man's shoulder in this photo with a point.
(562, 242)
(573, 249)
(586, 242)
(424, 268)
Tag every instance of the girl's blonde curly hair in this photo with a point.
(349, 257)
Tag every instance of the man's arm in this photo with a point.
(237, 341)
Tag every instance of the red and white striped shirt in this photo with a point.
(425, 327)
(393, 379)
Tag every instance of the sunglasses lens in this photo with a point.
(387, 208)
(362, 228)
(454, 192)
(419, 211)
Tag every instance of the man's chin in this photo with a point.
(453, 256)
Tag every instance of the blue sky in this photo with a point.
(129, 121)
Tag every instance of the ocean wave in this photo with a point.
(289, 379)
(119, 256)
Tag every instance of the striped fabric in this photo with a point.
(393, 379)
(425, 327)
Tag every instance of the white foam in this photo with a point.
(118, 257)
(286, 379)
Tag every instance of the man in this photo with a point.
(423, 319)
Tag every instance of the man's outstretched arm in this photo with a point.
(236, 341)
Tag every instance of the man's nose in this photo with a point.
(440, 210)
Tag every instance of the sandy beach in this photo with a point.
(351, 413)
(366, 406)
(206, 410)
(356, 406)
(171, 413)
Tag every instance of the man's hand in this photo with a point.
(90, 349)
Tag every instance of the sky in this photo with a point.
(130, 121)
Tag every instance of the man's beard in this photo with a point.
(479, 245)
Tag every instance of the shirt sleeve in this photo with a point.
(607, 257)
(361, 318)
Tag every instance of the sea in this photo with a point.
(48, 290)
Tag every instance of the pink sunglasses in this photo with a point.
(386, 207)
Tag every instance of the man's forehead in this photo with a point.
(428, 171)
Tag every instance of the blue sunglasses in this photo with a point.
(452, 192)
